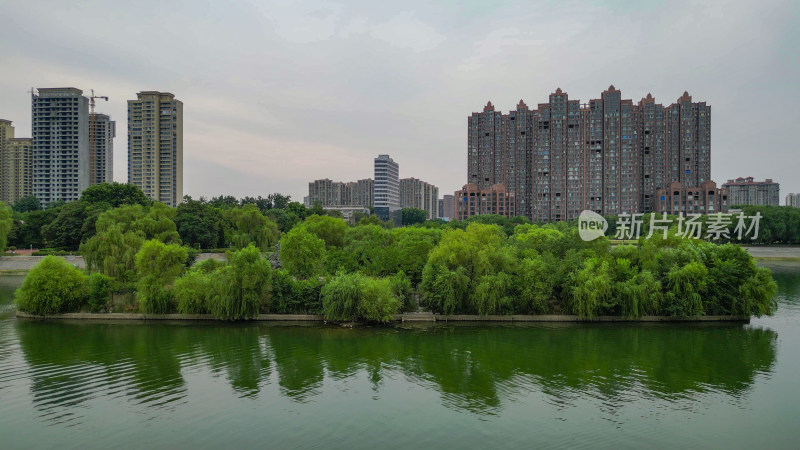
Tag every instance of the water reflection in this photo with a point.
(475, 369)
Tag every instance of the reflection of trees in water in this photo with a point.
(474, 368)
(788, 282)
(298, 360)
(240, 351)
(72, 363)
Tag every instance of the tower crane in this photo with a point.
(92, 133)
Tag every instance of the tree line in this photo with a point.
(371, 270)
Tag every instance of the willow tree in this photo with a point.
(302, 253)
(121, 232)
(6, 221)
(250, 226)
(458, 265)
(157, 267)
(242, 287)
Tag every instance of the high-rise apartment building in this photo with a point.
(387, 188)
(418, 194)
(360, 193)
(329, 193)
(60, 153)
(608, 155)
(155, 146)
(325, 192)
(447, 210)
(102, 131)
(745, 191)
(793, 200)
(15, 165)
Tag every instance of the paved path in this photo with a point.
(774, 252)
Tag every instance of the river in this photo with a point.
(211, 385)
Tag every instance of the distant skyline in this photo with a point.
(278, 94)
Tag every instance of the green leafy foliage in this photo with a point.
(157, 266)
(99, 292)
(5, 224)
(199, 224)
(192, 292)
(348, 297)
(295, 296)
(302, 253)
(121, 232)
(114, 195)
(242, 287)
(27, 204)
(53, 286)
(250, 226)
(411, 216)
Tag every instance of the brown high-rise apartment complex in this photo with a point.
(609, 155)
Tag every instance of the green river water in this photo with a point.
(209, 385)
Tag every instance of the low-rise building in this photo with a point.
(703, 199)
(473, 201)
(746, 191)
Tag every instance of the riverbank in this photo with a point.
(412, 317)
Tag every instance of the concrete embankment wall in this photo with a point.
(415, 317)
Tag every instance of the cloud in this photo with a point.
(279, 93)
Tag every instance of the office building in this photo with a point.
(793, 200)
(418, 194)
(745, 191)
(387, 188)
(15, 165)
(155, 146)
(608, 155)
(102, 131)
(472, 201)
(60, 144)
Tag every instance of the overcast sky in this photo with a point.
(280, 93)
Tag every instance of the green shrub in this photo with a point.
(99, 291)
(354, 296)
(377, 302)
(53, 286)
(208, 265)
(293, 296)
(402, 290)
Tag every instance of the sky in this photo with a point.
(277, 94)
